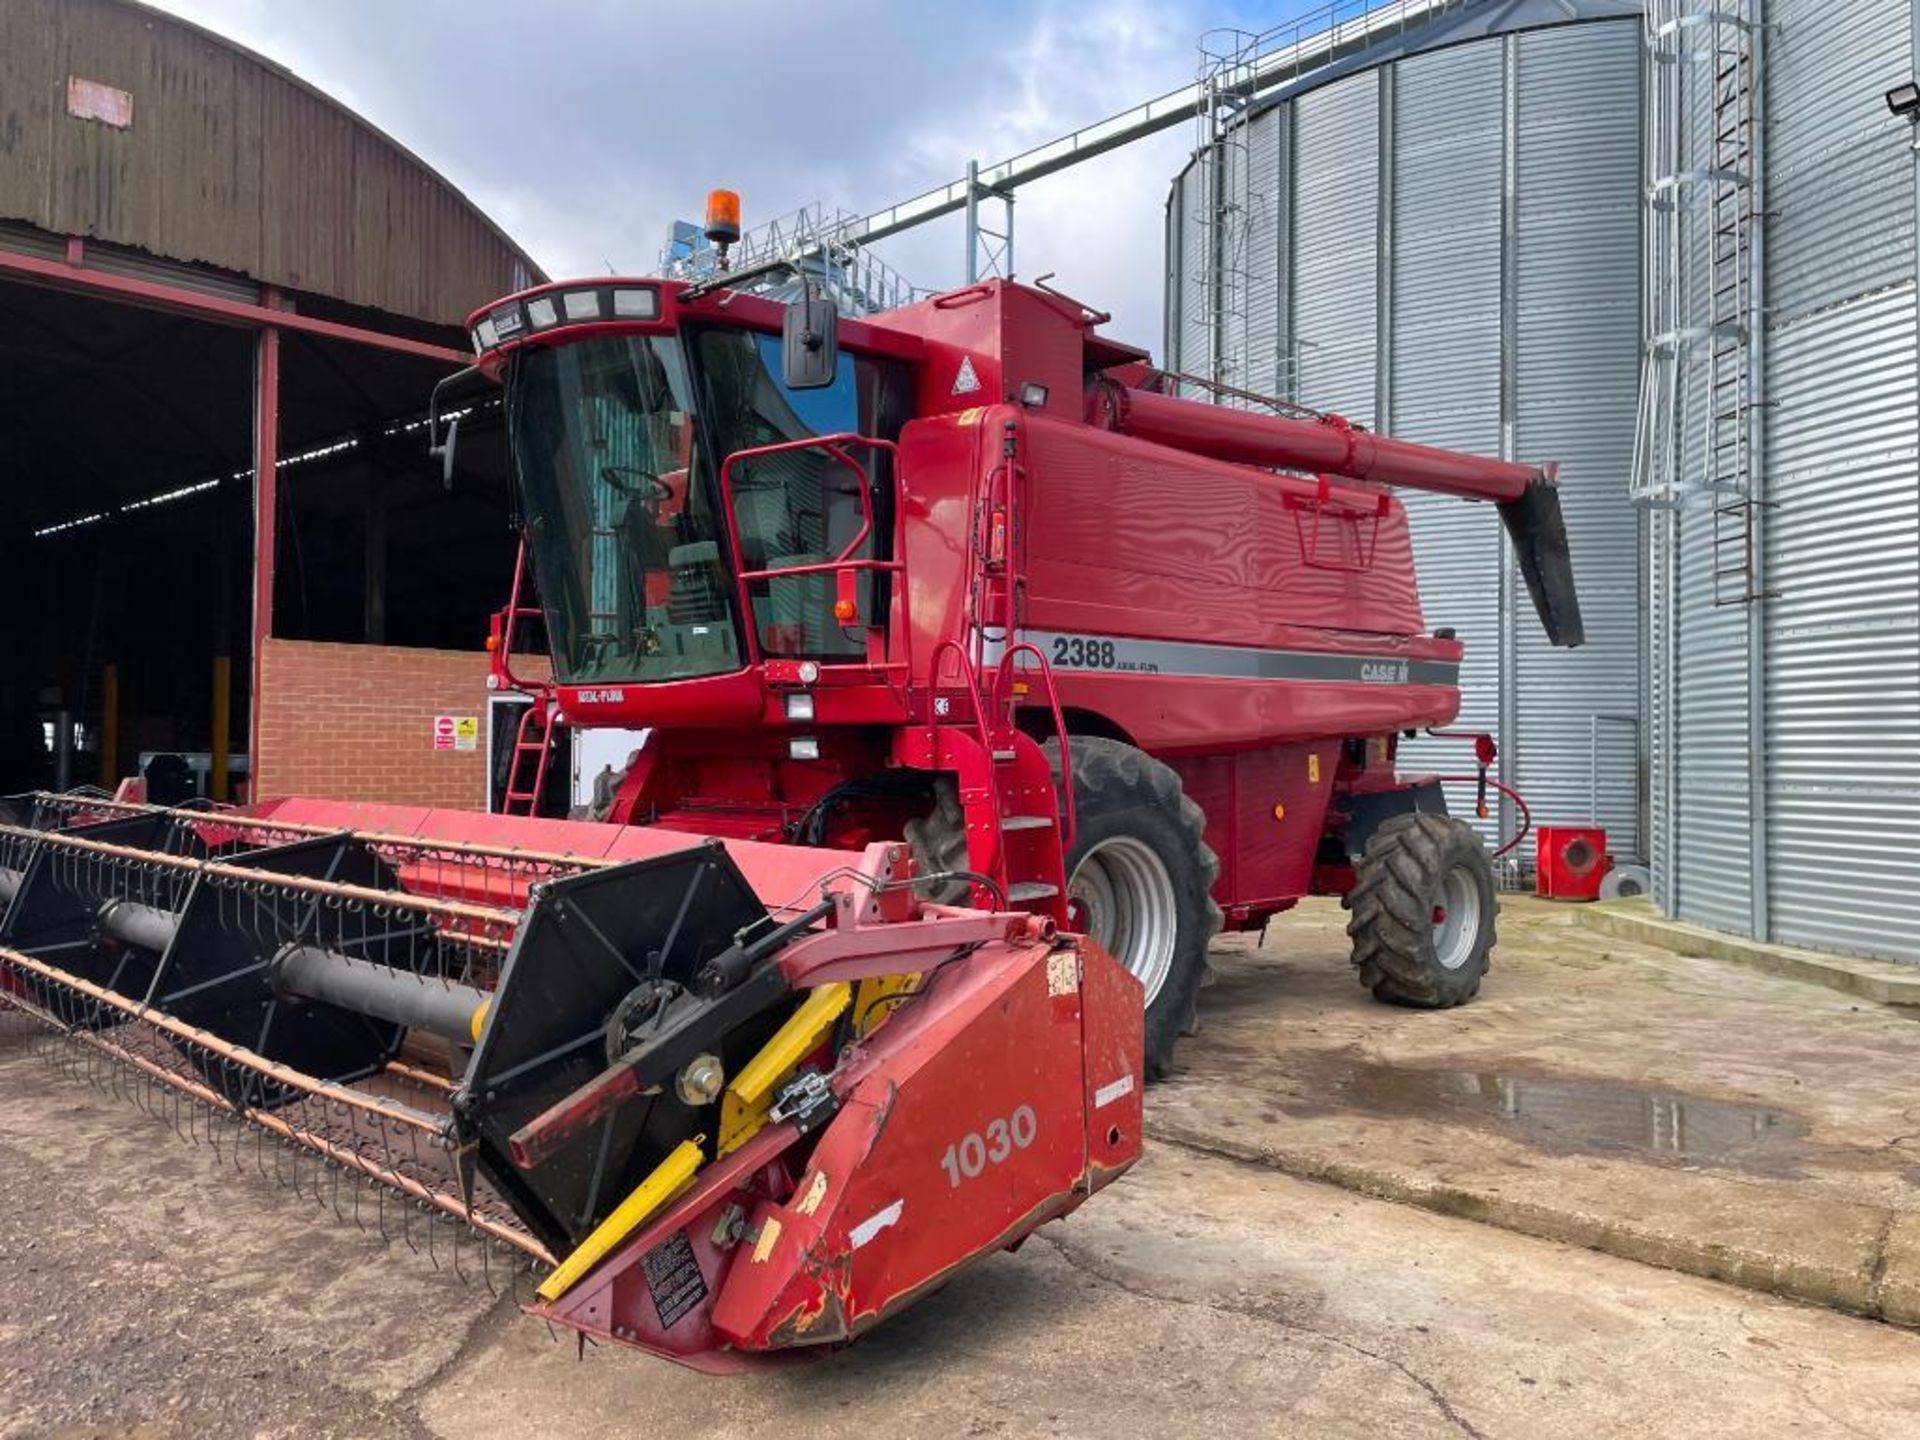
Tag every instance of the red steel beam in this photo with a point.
(153, 295)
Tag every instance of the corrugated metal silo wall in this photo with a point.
(1337, 154)
(1840, 852)
(1714, 822)
(1575, 349)
(1449, 249)
(1843, 524)
(1446, 380)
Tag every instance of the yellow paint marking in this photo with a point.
(671, 1176)
(769, 1237)
(1313, 769)
(479, 1021)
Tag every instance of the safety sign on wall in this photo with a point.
(456, 732)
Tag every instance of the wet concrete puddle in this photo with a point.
(1558, 1112)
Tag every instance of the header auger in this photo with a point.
(985, 680)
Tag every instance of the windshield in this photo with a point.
(625, 542)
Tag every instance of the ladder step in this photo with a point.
(1030, 890)
(1025, 822)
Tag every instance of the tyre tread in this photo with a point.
(1391, 909)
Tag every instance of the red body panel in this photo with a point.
(1124, 537)
(779, 874)
(1001, 1097)
(1232, 620)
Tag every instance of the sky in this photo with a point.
(583, 128)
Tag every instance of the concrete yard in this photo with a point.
(1684, 1111)
(1619, 1096)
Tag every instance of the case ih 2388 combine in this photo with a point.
(986, 679)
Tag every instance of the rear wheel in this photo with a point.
(1423, 906)
(1140, 879)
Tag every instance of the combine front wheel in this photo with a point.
(1139, 881)
(1423, 912)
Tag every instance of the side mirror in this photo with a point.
(810, 349)
(444, 452)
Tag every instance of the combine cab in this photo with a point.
(986, 679)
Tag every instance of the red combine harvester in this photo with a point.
(986, 680)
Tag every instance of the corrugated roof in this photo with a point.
(231, 161)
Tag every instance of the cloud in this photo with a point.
(583, 130)
(1098, 226)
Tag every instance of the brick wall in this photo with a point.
(356, 722)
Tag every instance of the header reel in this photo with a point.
(571, 1052)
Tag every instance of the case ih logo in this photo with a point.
(1384, 672)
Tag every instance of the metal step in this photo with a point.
(1025, 822)
(1030, 890)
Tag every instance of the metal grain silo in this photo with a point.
(1777, 464)
(1437, 233)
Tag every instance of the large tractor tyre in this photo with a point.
(1140, 881)
(1423, 906)
(939, 845)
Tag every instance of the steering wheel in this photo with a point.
(632, 480)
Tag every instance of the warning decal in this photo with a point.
(456, 732)
(966, 382)
(674, 1278)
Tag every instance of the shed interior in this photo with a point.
(126, 447)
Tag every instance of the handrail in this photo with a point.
(970, 679)
(504, 621)
(1000, 679)
(967, 677)
(835, 446)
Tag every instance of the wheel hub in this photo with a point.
(1122, 896)
(1456, 919)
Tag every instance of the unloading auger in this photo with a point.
(729, 1097)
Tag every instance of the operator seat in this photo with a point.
(694, 596)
